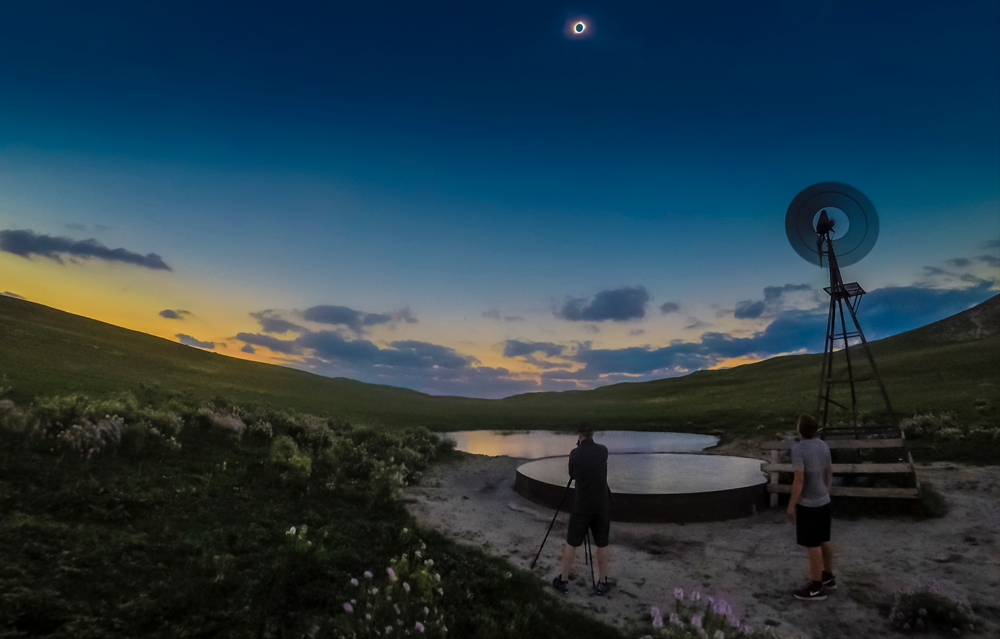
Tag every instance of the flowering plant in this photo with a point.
(933, 609)
(692, 620)
(400, 602)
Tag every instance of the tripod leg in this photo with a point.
(556, 514)
(590, 552)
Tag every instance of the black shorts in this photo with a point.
(812, 525)
(598, 523)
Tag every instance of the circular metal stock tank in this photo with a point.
(658, 487)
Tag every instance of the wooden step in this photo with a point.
(835, 444)
(853, 491)
(901, 467)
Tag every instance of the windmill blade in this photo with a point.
(850, 247)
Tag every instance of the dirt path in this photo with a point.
(752, 563)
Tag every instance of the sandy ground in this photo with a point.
(753, 563)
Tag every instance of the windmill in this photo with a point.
(832, 224)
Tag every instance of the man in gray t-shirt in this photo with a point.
(809, 508)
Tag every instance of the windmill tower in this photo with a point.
(833, 225)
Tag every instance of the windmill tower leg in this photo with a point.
(871, 360)
(826, 372)
(847, 354)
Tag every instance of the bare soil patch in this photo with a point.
(753, 563)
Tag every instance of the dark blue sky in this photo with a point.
(462, 159)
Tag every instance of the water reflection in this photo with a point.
(659, 474)
(542, 443)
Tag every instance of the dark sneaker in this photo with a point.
(560, 585)
(602, 588)
(829, 581)
(812, 592)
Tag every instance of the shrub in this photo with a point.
(285, 454)
(932, 501)
(140, 439)
(228, 422)
(13, 426)
(87, 438)
(927, 425)
(261, 428)
(929, 610)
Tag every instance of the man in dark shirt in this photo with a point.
(588, 466)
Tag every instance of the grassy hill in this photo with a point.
(164, 514)
(950, 366)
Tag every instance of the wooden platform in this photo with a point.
(884, 443)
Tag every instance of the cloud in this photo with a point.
(991, 244)
(989, 260)
(288, 347)
(14, 295)
(248, 349)
(514, 348)
(356, 321)
(636, 332)
(670, 307)
(695, 324)
(793, 330)
(772, 293)
(749, 309)
(26, 243)
(330, 345)
(959, 262)
(270, 322)
(176, 315)
(618, 305)
(776, 299)
(187, 340)
(494, 314)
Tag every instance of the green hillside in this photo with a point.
(949, 366)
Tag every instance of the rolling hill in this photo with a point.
(951, 365)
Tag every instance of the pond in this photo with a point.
(640, 474)
(536, 444)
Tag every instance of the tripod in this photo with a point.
(588, 556)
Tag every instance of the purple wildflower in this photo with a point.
(747, 630)
(696, 621)
(354, 582)
(368, 574)
(657, 622)
(348, 607)
(711, 599)
(392, 575)
(654, 611)
(695, 595)
(679, 593)
(419, 626)
(674, 619)
(406, 586)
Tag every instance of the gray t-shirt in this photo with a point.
(813, 457)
